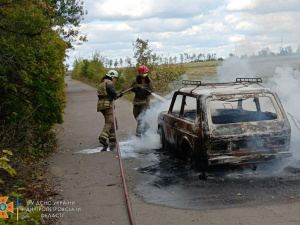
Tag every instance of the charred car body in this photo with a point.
(235, 123)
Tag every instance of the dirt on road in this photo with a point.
(162, 189)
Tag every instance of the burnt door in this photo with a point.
(186, 128)
(171, 121)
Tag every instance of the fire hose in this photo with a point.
(295, 121)
(129, 89)
(128, 203)
(129, 208)
(146, 89)
(123, 92)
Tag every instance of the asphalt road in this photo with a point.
(162, 190)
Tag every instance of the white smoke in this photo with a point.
(151, 139)
(286, 83)
(234, 68)
(283, 79)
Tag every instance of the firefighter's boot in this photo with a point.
(103, 139)
(145, 128)
(138, 131)
(112, 138)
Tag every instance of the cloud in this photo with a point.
(176, 26)
(158, 25)
(104, 33)
(134, 10)
(238, 5)
(262, 6)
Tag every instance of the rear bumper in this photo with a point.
(247, 159)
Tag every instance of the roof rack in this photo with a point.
(248, 80)
(191, 82)
(243, 81)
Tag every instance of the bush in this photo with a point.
(161, 75)
(89, 69)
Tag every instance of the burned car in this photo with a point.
(236, 123)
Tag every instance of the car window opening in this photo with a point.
(190, 108)
(177, 105)
(242, 110)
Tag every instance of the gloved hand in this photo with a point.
(148, 90)
(120, 95)
(135, 89)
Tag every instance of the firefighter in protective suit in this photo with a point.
(142, 87)
(106, 96)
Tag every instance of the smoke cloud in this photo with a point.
(282, 76)
(286, 83)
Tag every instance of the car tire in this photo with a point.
(192, 159)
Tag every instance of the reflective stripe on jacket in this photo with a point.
(104, 100)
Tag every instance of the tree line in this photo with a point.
(267, 52)
(162, 72)
(155, 58)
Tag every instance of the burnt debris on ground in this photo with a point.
(169, 181)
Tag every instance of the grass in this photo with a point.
(202, 70)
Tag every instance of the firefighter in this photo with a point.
(106, 96)
(142, 87)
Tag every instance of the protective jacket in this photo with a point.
(141, 95)
(106, 94)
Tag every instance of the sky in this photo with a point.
(174, 27)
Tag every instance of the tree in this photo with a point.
(199, 56)
(175, 59)
(110, 63)
(142, 52)
(154, 58)
(161, 59)
(166, 60)
(128, 61)
(67, 18)
(181, 58)
(116, 63)
(34, 37)
(106, 62)
(264, 52)
(186, 57)
(214, 56)
(193, 57)
(35, 17)
(209, 57)
(286, 51)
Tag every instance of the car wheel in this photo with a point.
(192, 159)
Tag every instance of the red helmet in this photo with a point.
(143, 69)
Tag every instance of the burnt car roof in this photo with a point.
(252, 85)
